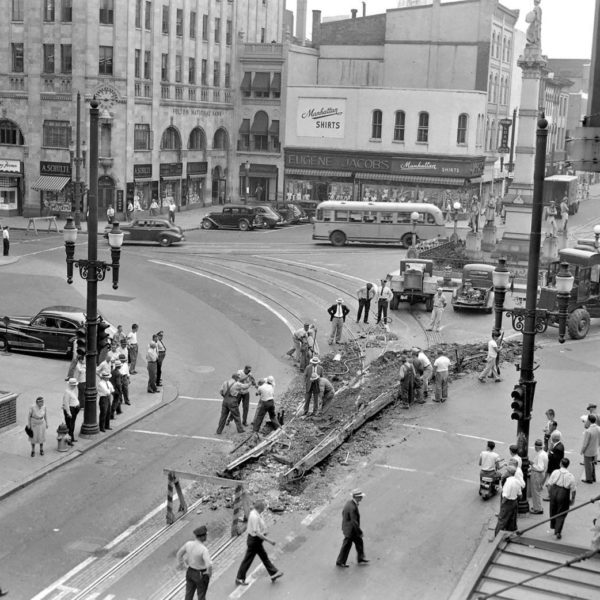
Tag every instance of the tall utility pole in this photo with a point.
(593, 109)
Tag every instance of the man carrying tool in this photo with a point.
(230, 391)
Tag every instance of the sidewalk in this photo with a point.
(32, 376)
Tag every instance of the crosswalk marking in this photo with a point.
(180, 435)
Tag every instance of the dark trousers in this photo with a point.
(230, 407)
(159, 362)
(255, 548)
(70, 418)
(171, 216)
(132, 354)
(5, 246)
(196, 581)
(347, 546)
(115, 406)
(590, 468)
(244, 400)
(363, 304)
(559, 501)
(507, 517)
(104, 421)
(267, 407)
(81, 394)
(125, 389)
(312, 393)
(382, 307)
(152, 376)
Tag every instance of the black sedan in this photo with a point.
(51, 331)
(149, 230)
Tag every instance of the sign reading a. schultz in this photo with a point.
(55, 169)
(142, 171)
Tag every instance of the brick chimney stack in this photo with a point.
(354, 11)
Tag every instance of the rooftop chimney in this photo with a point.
(364, 9)
(301, 21)
(354, 11)
(316, 28)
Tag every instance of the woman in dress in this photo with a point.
(38, 422)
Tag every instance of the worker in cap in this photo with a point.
(194, 556)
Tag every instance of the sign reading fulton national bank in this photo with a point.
(321, 117)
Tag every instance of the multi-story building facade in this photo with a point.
(164, 72)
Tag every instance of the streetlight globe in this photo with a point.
(457, 205)
(70, 231)
(501, 275)
(115, 236)
(597, 229)
(564, 279)
(414, 216)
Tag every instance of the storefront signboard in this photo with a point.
(55, 169)
(171, 169)
(321, 117)
(10, 166)
(197, 168)
(142, 171)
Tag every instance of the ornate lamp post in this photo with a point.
(564, 285)
(92, 270)
(455, 210)
(500, 279)
(77, 151)
(246, 180)
(414, 219)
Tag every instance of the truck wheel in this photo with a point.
(395, 302)
(578, 323)
(429, 304)
(338, 238)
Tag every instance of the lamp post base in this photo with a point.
(89, 430)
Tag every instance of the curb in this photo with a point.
(8, 261)
(72, 456)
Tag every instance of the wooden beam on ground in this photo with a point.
(256, 451)
(207, 478)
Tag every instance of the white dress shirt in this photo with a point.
(512, 488)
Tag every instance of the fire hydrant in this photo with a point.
(62, 437)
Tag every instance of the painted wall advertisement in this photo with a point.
(321, 117)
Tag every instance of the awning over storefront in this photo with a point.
(318, 173)
(421, 179)
(274, 128)
(46, 183)
(260, 125)
(276, 82)
(245, 127)
(261, 82)
(246, 81)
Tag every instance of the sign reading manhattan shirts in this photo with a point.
(321, 117)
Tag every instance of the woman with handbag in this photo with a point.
(561, 488)
(37, 423)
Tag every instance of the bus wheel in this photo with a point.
(338, 238)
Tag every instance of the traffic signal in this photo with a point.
(103, 336)
(81, 347)
(519, 403)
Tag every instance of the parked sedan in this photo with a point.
(148, 231)
(233, 216)
(51, 331)
(269, 216)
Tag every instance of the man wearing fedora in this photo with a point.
(195, 556)
(314, 367)
(71, 408)
(337, 316)
(352, 532)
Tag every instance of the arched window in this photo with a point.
(197, 139)
(221, 139)
(399, 123)
(171, 140)
(490, 87)
(495, 88)
(508, 50)
(493, 44)
(461, 131)
(423, 128)
(10, 133)
(506, 92)
(260, 131)
(376, 122)
(504, 48)
(488, 131)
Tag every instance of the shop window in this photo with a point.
(66, 58)
(221, 139)
(197, 139)
(66, 11)
(48, 58)
(423, 128)
(142, 137)
(107, 10)
(18, 64)
(461, 131)
(49, 10)
(399, 125)
(18, 10)
(193, 20)
(10, 133)
(105, 62)
(165, 19)
(179, 22)
(171, 139)
(148, 16)
(376, 122)
(57, 134)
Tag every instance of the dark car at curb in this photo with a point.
(158, 231)
(52, 331)
(239, 216)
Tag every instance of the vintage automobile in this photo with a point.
(476, 289)
(413, 282)
(51, 331)
(238, 216)
(270, 217)
(149, 230)
(292, 213)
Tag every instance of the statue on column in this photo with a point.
(534, 30)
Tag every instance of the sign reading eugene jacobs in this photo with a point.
(321, 117)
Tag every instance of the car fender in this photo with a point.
(21, 339)
(212, 220)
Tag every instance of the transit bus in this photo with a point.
(376, 222)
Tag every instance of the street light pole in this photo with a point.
(527, 379)
(564, 285)
(412, 251)
(455, 208)
(500, 278)
(247, 180)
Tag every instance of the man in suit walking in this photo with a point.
(337, 316)
(589, 449)
(352, 531)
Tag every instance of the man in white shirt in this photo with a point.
(266, 404)
(489, 461)
(132, 344)
(105, 390)
(537, 476)
(124, 378)
(511, 490)
(439, 304)
(70, 405)
(299, 337)
(384, 297)
(365, 294)
(441, 373)
(424, 371)
(561, 489)
(490, 365)
(257, 534)
(195, 556)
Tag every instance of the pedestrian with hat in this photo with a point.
(589, 449)
(162, 352)
(384, 297)
(311, 384)
(591, 408)
(124, 378)
(337, 316)
(352, 531)
(116, 378)
(194, 557)
(151, 360)
(70, 406)
(538, 470)
(105, 390)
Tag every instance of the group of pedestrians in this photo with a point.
(155, 355)
(417, 373)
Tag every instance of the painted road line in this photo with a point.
(475, 437)
(233, 287)
(430, 473)
(180, 435)
(209, 399)
(396, 468)
(58, 584)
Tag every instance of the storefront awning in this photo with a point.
(420, 179)
(245, 86)
(276, 82)
(318, 173)
(245, 127)
(274, 128)
(260, 126)
(46, 183)
(261, 82)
